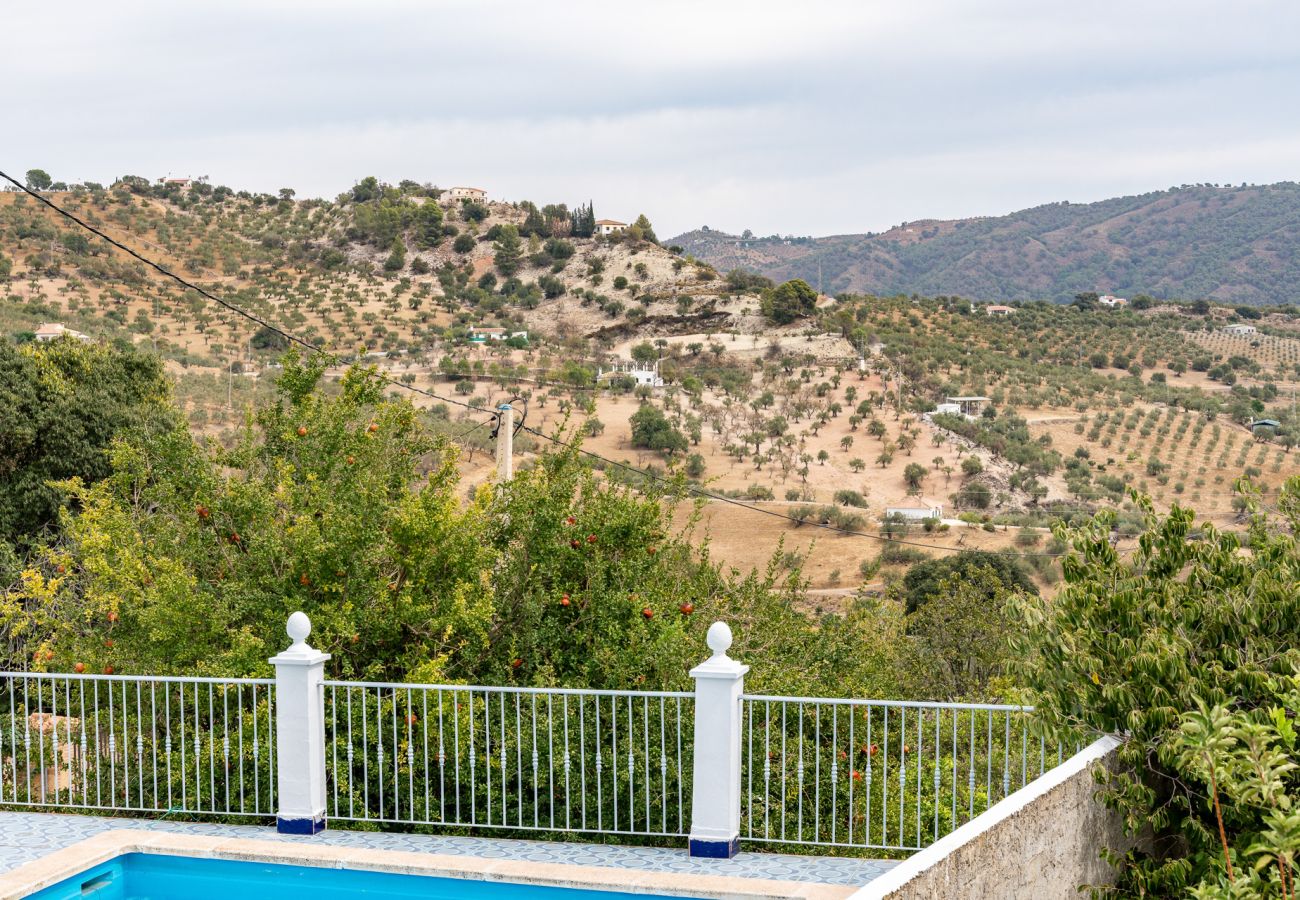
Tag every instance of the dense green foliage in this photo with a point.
(1187, 648)
(789, 301)
(61, 405)
(929, 579)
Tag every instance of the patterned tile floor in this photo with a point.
(26, 836)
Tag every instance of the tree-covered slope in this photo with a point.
(1237, 244)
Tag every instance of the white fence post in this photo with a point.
(715, 789)
(300, 732)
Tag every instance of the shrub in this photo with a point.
(1185, 648)
(463, 243)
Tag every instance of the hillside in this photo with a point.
(826, 420)
(1232, 244)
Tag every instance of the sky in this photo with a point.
(806, 117)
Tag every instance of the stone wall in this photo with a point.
(1041, 842)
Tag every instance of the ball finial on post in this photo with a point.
(719, 639)
(298, 627)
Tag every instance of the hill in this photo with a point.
(828, 419)
(1231, 244)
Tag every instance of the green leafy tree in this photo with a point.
(924, 581)
(651, 430)
(39, 180)
(508, 257)
(396, 260)
(1154, 645)
(62, 404)
(788, 301)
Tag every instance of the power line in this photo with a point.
(533, 431)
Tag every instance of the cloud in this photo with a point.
(817, 117)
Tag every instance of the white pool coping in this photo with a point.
(38, 874)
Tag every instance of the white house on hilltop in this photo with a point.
(606, 227)
(999, 310)
(1240, 328)
(1112, 302)
(464, 193)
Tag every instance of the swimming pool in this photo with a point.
(148, 876)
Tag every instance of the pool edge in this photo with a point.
(38, 874)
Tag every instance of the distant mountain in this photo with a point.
(1237, 245)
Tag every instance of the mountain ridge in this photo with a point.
(1231, 244)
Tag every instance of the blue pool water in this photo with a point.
(142, 876)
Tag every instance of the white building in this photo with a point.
(50, 331)
(1240, 328)
(647, 376)
(606, 227)
(1112, 302)
(998, 310)
(464, 193)
(483, 335)
(914, 509)
(951, 409)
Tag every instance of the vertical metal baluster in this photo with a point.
(270, 747)
(487, 751)
(71, 752)
(920, 743)
(410, 758)
(1006, 756)
(884, 779)
(397, 761)
(970, 813)
(225, 740)
(748, 706)
(112, 751)
(582, 758)
(902, 775)
(817, 772)
(681, 809)
(424, 726)
(871, 765)
(613, 754)
(853, 768)
(663, 767)
(1024, 749)
(40, 735)
(835, 763)
(536, 811)
(631, 772)
(938, 768)
(550, 756)
(568, 761)
(348, 753)
(501, 751)
(767, 769)
(469, 722)
(380, 755)
(955, 717)
(334, 751)
(519, 764)
(257, 747)
(645, 734)
(988, 763)
(365, 756)
(784, 756)
(180, 713)
(126, 750)
(13, 731)
(139, 744)
(799, 820)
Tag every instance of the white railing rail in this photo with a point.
(138, 744)
(880, 774)
(537, 759)
(715, 764)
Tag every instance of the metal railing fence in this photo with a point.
(877, 773)
(138, 744)
(550, 760)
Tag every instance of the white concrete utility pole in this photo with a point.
(505, 442)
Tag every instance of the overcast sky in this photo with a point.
(794, 117)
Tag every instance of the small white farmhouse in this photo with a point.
(606, 227)
(915, 509)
